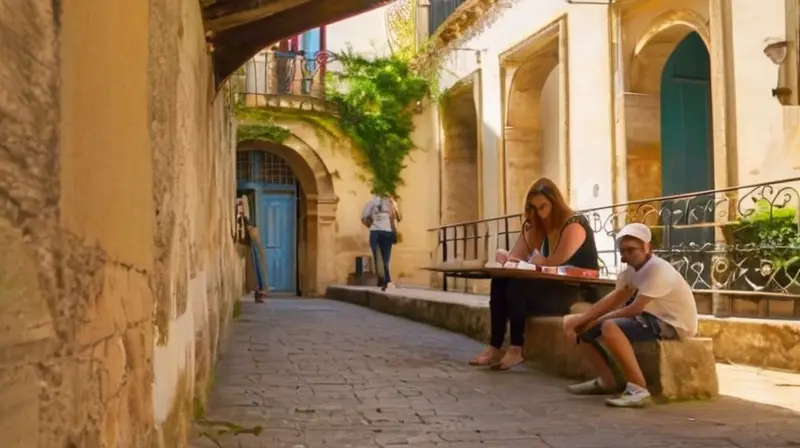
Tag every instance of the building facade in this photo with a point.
(600, 95)
(616, 101)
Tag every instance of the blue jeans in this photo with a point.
(382, 240)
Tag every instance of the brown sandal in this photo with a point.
(499, 365)
(484, 359)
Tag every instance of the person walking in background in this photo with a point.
(380, 216)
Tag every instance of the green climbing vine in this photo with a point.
(376, 99)
(267, 131)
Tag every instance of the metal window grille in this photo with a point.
(244, 165)
(439, 11)
(276, 171)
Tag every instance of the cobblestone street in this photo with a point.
(321, 373)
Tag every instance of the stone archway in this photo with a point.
(535, 134)
(318, 202)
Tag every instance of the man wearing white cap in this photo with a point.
(660, 306)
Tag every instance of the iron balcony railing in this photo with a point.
(439, 11)
(740, 239)
(273, 76)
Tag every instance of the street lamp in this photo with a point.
(776, 50)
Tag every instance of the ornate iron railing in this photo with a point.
(743, 240)
(282, 79)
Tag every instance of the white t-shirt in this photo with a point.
(673, 300)
(380, 210)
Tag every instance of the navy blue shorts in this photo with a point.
(642, 328)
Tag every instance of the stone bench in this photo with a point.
(674, 370)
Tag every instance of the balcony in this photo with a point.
(280, 79)
(439, 11)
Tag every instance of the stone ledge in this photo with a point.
(754, 342)
(471, 320)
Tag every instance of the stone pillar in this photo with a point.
(326, 244)
(722, 113)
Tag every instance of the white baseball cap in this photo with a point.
(636, 230)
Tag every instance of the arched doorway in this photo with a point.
(669, 142)
(274, 194)
(686, 139)
(687, 164)
(306, 224)
(535, 135)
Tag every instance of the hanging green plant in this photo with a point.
(266, 131)
(376, 99)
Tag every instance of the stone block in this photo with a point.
(546, 345)
(679, 370)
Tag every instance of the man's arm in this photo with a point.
(634, 309)
(603, 307)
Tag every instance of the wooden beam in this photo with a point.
(234, 46)
(224, 16)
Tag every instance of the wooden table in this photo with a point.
(536, 275)
(486, 273)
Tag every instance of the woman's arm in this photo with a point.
(521, 250)
(366, 213)
(571, 239)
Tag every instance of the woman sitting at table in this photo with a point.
(552, 235)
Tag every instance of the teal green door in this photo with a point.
(686, 156)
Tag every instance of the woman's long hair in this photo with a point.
(559, 214)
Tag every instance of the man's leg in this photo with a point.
(605, 383)
(617, 342)
(617, 336)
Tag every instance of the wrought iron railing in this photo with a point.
(742, 240)
(439, 11)
(275, 78)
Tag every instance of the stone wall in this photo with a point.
(116, 203)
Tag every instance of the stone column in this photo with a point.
(722, 114)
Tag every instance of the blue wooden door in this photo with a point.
(686, 152)
(277, 222)
(686, 160)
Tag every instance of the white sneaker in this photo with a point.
(391, 285)
(591, 387)
(633, 397)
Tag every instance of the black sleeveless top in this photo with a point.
(586, 256)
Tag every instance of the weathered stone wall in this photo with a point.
(116, 202)
(197, 273)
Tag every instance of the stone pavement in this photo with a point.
(311, 373)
